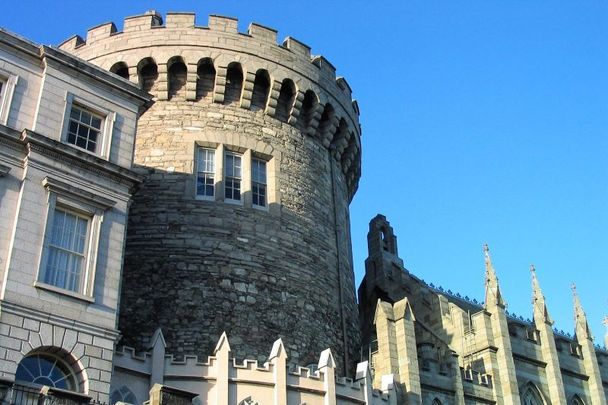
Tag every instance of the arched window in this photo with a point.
(576, 400)
(121, 69)
(205, 78)
(436, 401)
(286, 98)
(531, 396)
(46, 369)
(123, 394)
(308, 108)
(249, 401)
(261, 89)
(177, 75)
(148, 73)
(234, 83)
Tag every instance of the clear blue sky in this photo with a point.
(483, 121)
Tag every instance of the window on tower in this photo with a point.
(258, 182)
(205, 178)
(232, 176)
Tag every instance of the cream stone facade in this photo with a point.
(47, 182)
(443, 348)
(174, 198)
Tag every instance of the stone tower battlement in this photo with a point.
(251, 155)
(301, 90)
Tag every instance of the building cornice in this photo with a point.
(20, 310)
(60, 151)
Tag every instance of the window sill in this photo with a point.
(233, 202)
(81, 149)
(72, 294)
(204, 198)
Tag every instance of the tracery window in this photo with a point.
(576, 400)
(531, 396)
(46, 370)
(123, 394)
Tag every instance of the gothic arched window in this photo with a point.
(123, 394)
(436, 401)
(249, 401)
(576, 400)
(532, 396)
(45, 369)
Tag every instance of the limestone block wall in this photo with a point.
(197, 266)
(448, 323)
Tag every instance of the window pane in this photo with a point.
(75, 113)
(237, 166)
(84, 128)
(229, 165)
(45, 370)
(258, 182)
(65, 255)
(96, 122)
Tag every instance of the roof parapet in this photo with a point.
(262, 33)
(180, 20)
(224, 24)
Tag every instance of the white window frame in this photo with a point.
(240, 178)
(213, 172)
(67, 252)
(74, 200)
(9, 83)
(248, 156)
(104, 141)
(255, 159)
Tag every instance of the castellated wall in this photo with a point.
(197, 265)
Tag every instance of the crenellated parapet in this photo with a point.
(220, 378)
(219, 64)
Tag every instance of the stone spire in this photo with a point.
(541, 313)
(493, 295)
(585, 340)
(548, 351)
(581, 326)
(505, 386)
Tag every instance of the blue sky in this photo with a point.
(483, 121)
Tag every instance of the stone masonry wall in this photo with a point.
(196, 268)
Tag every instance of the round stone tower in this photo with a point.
(251, 156)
